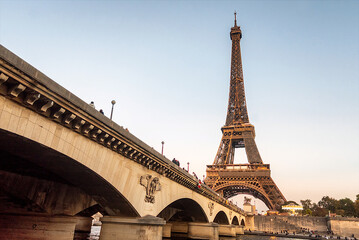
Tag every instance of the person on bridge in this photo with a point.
(176, 161)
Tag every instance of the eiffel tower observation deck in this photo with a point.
(223, 175)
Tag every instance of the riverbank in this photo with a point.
(298, 236)
(338, 226)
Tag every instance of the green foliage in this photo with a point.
(307, 212)
(347, 205)
(329, 203)
(289, 202)
(356, 207)
(340, 212)
(307, 204)
(319, 211)
(344, 207)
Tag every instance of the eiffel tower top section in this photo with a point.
(237, 108)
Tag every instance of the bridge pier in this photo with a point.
(203, 231)
(249, 222)
(179, 230)
(239, 230)
(166, 231)
(148, 227)
(195, 230)
(227, 232)
(210, 231)
(82, 228)
(31, 227)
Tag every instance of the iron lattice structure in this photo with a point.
(224, 176)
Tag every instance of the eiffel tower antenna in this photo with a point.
(235, 18)
(225, 177)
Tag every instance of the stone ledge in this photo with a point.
(146, 220)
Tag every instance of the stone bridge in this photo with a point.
(62, 161)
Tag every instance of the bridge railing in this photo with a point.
(28, 86)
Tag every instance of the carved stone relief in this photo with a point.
(211, 207)
(152, 184)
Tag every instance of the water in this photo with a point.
(95, 235)
(254, 237)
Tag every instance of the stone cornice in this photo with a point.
(24, 84)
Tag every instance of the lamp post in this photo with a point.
(113, 102)
(163, 143)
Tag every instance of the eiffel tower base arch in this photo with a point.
(252, 179)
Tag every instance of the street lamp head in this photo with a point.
(113, 102)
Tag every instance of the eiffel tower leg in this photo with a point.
(273, 193)
(231, 155)
(252, 151)
(224, 153)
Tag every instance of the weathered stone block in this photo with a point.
(32, 227)
(227, 230)
(146, 228)
(239, 230)
(166, 231)
(203, 231)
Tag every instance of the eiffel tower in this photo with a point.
(225, 177)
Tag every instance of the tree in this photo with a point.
(356, 206)
(340, 212)
(329, 203)
(344, 207)
(319, 211)
(307, 212)
(347, 205)
(307, 205)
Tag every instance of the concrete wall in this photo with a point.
(344, 226)
(340, 226)
(289, 223)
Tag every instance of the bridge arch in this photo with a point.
(235, 221)
(221, 218)
(56, 172)
(232, 189)
(185, 210)
(242, 222)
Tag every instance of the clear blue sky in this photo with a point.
(167, 64)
